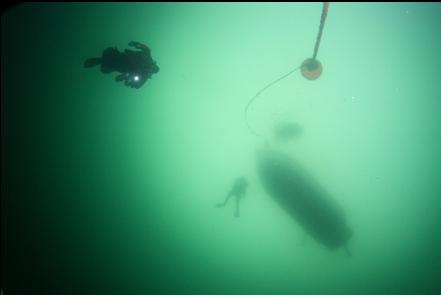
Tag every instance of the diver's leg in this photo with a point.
(91, 62)
(112, 60)
(226, 200)
(238, 197)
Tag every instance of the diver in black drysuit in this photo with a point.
(135, 67)
(238, 190)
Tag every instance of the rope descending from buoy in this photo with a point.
(322, 25)
(258, 94)
(312, 65)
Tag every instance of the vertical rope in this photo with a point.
(322, 25)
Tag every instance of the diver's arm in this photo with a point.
(121, 77)
(140, 46)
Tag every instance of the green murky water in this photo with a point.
(112, 190)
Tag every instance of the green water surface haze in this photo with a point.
(107, 189)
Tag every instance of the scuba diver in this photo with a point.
(135, 67)
(238, 190)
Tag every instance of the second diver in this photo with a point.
(238, 190)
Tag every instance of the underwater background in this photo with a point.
(107, 189)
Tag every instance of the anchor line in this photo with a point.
(316, 47)
(252, 99)
(322, 25)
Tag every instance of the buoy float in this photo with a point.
(311, 69)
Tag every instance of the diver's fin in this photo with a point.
(91, 62)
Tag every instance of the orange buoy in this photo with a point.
(311, 69)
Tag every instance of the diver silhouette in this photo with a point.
(135, 67)
(238, 190)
